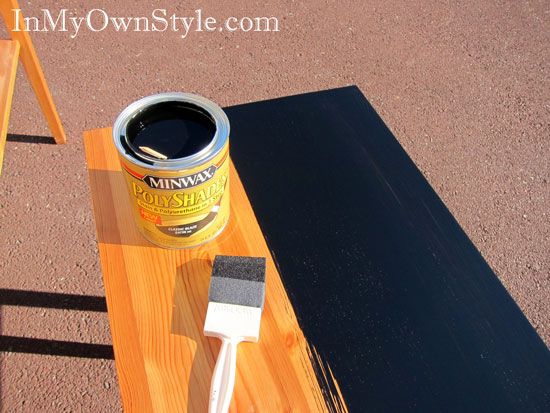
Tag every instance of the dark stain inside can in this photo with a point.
(170, 129)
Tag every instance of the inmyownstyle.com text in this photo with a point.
(159, 20)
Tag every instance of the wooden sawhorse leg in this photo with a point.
(9, 55)
(34, 70)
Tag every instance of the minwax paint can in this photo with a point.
(174, 154)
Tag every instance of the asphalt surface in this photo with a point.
(464, 87)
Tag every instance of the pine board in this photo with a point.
(157, 301)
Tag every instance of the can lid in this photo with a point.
(171, 131)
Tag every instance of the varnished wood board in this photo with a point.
(9, 53)
(157, 302)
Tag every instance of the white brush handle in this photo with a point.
(223, 379)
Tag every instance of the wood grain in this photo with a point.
(9, 52)
(31, 63)
(157, 302)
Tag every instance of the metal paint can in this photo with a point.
(174, 154)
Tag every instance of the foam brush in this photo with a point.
(236, 299)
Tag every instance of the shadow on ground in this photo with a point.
(30, 139)
(54, 347)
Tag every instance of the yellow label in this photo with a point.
(180, 208)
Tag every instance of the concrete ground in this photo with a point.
(465, 89)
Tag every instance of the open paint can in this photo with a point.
(174, 153)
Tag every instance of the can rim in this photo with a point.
(217, 143)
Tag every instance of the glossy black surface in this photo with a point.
(386, 285)
(174, 129)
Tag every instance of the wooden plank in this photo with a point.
(31, 63)
(157, 302)
(9, 52)
(407, 313)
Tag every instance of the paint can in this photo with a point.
(174, 154)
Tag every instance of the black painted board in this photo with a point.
(385, 284)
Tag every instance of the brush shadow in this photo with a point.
(14, 137)
(189, 311)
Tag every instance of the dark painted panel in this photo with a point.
(386, 285)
